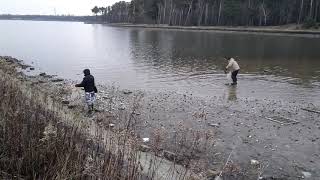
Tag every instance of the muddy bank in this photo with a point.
(251, 132)
(267, 30)
(100, 136)
(281, 136)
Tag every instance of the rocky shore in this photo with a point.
(213, 137)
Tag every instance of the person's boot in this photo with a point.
(234, 83)
(90, 110)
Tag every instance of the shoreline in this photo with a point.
(237, 126)
(273, 30)
(65, 101)
(268, 30)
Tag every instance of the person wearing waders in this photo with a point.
(234, 68)
(90, 89)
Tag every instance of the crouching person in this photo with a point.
(234, 68)
(90, 89)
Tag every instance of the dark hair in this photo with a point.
(86, 72)
(227, 58)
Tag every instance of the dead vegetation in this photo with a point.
(43, 138)
(37, 143)
(38, 140)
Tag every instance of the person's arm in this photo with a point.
(229, 65)
(81, 84)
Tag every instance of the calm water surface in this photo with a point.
(272, 66)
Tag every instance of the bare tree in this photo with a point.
(200, 11)
(164, 11)
(219, 15)
(206, 14)
(189, 11)
(311, 8)
(264, 11)
(301, 10)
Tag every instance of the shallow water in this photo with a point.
(272, 66)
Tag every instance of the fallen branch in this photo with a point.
(309, 110)
(283, 123)
(226, 163)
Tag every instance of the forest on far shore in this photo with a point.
(212, 12)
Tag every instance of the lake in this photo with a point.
(278, 67)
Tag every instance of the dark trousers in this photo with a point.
(234, 76)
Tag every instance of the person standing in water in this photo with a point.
(90, 89)
(234, 68)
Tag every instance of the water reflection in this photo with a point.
(232, 93)
(284, 67)
(181, 51)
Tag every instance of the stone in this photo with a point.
(136, 113)
(71, 106)
(32, 68)
(57, 80)
(254, 162)
(105, 97)
(169, 155)
(127, 92)
(212, 173)
(42, 74)
(144, 148)
(121, 106)
(23, 66)
(65, 102)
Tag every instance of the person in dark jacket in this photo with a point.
(90, 89)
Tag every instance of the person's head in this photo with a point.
(86, 72)
(227, 58)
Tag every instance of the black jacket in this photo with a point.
(87, 83)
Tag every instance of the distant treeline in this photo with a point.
(212, 12)
(46, 17)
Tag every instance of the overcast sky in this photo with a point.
(74, 7)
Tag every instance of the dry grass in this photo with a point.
(37, 144)
(39, 140)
